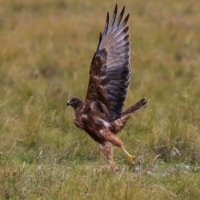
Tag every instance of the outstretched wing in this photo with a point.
(110, 68)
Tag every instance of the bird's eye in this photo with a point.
(73, 99)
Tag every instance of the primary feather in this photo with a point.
(110, 67)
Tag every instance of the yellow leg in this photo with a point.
(131, 158)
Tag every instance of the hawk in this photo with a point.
(102, 115)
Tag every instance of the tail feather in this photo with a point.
(135, 107)
(120, 123)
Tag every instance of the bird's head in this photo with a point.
(75, 102)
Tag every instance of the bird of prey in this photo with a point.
(102, 115)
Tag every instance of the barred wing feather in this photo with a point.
(110, 67)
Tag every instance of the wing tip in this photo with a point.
(126, 18)
(114, 16)
(115, 10)
(107, 23)
(100, 39)
(123, 9)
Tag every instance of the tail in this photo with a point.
(135, 107)
(120, 123)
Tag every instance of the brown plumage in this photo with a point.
(102, 115)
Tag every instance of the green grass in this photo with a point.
(45, 52)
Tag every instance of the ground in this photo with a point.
(45, 52)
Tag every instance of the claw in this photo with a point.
(131, 158)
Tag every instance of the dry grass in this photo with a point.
(46, 48)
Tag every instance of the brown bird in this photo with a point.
(102, 115)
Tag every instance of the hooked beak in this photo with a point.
(68, 103)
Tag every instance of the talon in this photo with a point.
(132, 158)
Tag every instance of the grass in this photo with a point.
(46, 48)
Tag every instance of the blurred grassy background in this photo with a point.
(45, 52)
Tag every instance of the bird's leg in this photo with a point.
(116, 141)
(131, 158)
(107, 150)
